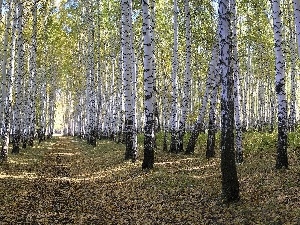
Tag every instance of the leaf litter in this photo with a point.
(72, 183)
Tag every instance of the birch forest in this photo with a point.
(150, 112)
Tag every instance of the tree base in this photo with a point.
(15, 149)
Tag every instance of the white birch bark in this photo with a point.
(230, 184)
(210, 148)
(296, 4)
(292, 114)
(90, 75)
(7, 75)
(281, 160)
(246, 91)
(127, 77)
(42, 105)
(32, 91)
(149, 88)
(133, 112)
(16, 125)
(187, 79)
(99, 83)
(236, 77)
(174, 108)
(198, 126)
(52, 104)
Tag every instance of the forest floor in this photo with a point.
(65, 181)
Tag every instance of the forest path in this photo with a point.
(66, 181)
(53, 190)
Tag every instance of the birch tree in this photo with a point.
(32, 90)
(230, 183)
(211, 135)
(174, 114)
(187, 79)
(7, 78)
(236, 77)
(149, 88)
(292, 46)
(296, 4)
(90, 75)
(281, 159)
(127, 78)
(200, 119)
(16, 128)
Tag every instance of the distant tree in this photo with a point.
(292, 46)
(198, 126)
(296, 4)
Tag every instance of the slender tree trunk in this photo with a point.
(156, 110)
(174, 113)
(235, 64)
(211, 135)
(292, 115)
(296, 4)
(16, 131)
(51, 106)
(127, 77)
(134, 150)
(230, 183)
(99, 93)
(32, 79)
(90, 77)
(149, 88)
(164, 115)
(7, 75)
(187, 79)
(282, 159)
(199, 123)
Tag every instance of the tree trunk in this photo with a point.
(127, 78)
(7, 76)
(292, 115)
(32, 79)
(174, 114)
(149, 88)
(230, 184)
(187, 79)
(282, 159)
(16, 131)
(211, 134)
(209, 84)
(296, 4)
(235, 64)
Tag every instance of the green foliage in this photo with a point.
(259, 141)
(294, 140)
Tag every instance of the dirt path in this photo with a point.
(55, 194)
